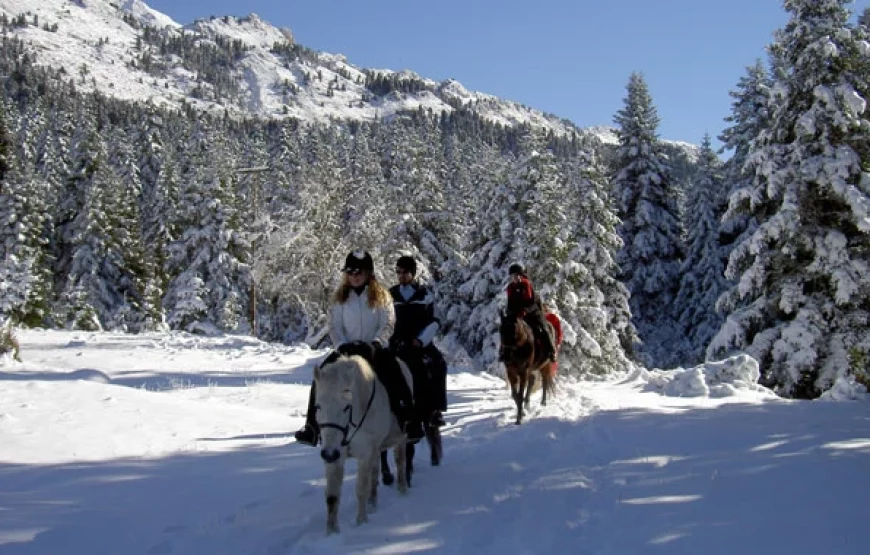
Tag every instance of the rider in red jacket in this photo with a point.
(522, 301)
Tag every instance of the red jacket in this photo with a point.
(520, 295)
(557, 327)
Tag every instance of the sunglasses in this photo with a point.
(400, 271)
(353, 272)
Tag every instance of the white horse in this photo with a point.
(355, 420)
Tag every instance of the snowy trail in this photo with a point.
(92, 462)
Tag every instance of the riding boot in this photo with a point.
(309, 434)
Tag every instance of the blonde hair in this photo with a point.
(378, 295)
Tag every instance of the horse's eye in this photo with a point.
(316, 408)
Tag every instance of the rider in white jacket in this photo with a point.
(355, 320)
(361, 322)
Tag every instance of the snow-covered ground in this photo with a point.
(171, 443)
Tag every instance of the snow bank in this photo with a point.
(846, 389)
(725, 378)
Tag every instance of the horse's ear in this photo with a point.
(316, 372)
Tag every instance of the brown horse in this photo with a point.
(523, 360)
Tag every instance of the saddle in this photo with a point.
(368, 352)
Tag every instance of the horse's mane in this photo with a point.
(508, 328)
(350, 366)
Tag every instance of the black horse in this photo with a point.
(429, 370)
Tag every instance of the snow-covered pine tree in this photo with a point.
(126, 258)
(14, 272)
(207, 258)
(590, 299)
(88, 295)
(24, 214)
(702, 277)
(750, 113)
(420, 219)
(474, 315)
(803, 296)
(157, 198)
(367, 211)
(647, 204)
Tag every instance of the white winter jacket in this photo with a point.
(355, 320)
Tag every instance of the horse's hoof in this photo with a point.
(388, 479)
(331, 529)
(403, 489)
(360, 520)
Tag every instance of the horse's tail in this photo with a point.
(548, 380)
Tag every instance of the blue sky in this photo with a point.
(566, 57)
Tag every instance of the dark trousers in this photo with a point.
(390, 373)
(429, 369)
(539, 325)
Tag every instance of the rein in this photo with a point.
(345, 440)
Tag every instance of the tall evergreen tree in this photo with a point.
(594, 299)
(803, 296)
(750, 114)
(209, 289)
(702, 277)
(647, 204)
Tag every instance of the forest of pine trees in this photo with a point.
(133, 217)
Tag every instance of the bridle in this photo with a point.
(345, 440)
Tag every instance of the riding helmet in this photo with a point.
(358, 260)
(517, 269)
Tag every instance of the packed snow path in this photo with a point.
(170, 443)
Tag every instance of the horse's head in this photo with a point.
(508, 329)
(516, 337)
(335, 391)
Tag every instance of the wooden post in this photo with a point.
(255, 200)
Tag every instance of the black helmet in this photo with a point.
(407, 263)
(358, 260)
(516, 269)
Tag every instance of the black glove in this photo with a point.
(361, 348)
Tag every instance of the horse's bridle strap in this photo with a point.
(345, 441)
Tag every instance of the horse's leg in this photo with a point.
(409, 462)
(433, 436)
(521, 392)
(373, 494)
(367, 463)
(401, 469)
(529, 387)
(386, 474)
(512, 381)
(334, 479)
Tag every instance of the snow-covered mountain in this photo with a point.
(125, 49)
